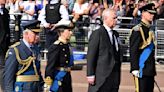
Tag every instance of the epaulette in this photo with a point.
(14, 45)
(137, 27)
(56, 42)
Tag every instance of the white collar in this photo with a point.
(26, 43)
(107, 28)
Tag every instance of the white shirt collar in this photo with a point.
(107, 28)
(109, 32)
(26, 43)
(1, 11)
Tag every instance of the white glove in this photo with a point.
(135, 73)
(46, 88)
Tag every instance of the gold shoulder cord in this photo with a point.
(149, 39)
(6, 54)
(26, 63)
(144, 44)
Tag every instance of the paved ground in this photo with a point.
(80, 83)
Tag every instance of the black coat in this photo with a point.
(4, 32)
(100, 57)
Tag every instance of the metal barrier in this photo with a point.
(124, 34)
(159, 53)
(124, 39)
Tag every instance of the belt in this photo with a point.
(27, 78)
(67, 69)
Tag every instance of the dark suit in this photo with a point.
(12, 66)
(4, 39)
(102, 62)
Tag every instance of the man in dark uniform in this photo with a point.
(4, 36)
(57, 74)
(103, 58)
(22, 66)
(142, 51)
(50, 15)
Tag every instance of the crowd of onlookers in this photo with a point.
(78, 11)
(92, 8)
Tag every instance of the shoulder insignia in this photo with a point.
(57, 42)
(137, 27)
(14, 45)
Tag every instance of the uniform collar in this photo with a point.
(145, 24)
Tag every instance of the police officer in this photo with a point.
(4, 36)
(57, 74)
(51, 14)
(142, 51)
(22, 66)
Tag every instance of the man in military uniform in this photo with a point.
(142, 51)
(57, 74)
(4, 36)
(51, 14)
(22, 66)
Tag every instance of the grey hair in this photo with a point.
(106, 13)
(26, 31)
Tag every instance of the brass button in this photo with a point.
(63, 49)
(66, 61)
(65, 55)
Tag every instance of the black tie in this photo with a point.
(113, 38)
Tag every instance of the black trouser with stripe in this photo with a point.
(146, 84)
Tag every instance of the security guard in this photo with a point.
(142, 45)
(57, 74)
(22, 66)
(51, 14)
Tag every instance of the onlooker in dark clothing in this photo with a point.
(4, 37)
